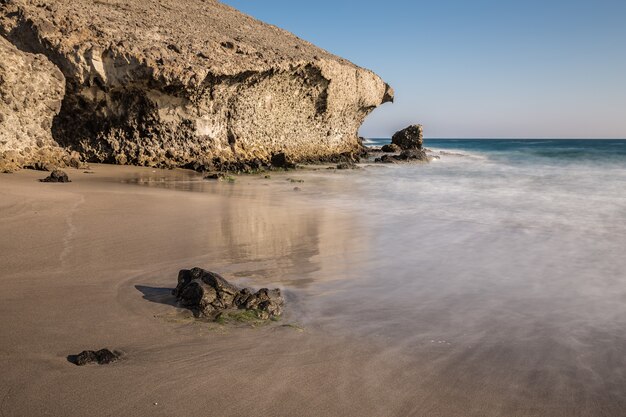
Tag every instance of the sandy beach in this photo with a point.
(91, 264)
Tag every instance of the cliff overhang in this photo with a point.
(191, 83)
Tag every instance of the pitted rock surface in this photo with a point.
(31, 90)
(191, 83)
(410, 138)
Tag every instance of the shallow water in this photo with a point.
(501, 266)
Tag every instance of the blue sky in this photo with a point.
(535, 69)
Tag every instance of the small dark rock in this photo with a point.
(346, 165)
(405, 156)
(215, 176)
(391, 148)
(280, 160)
(386, 159)
(414, 154)
(409, 138)
(56, 176)
(101, 357)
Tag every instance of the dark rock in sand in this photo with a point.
(215, 176)
(100, 357)
(56, 176)
(208, 294)
(391, 148)
(280, 160)
(346, 165)
(409, 138)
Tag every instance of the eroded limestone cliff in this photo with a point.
(31, 90)
(191, 83)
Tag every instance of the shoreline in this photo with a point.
(390, 325)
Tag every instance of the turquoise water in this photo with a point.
(563, 150)
(500, 265)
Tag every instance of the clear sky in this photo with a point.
(477, 68)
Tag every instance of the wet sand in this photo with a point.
(90, 264)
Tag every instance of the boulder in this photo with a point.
(191, 83)
(56, 176)
(409, 138)
(31, 91)
(208, 295)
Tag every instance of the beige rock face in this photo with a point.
(31, 90)
(191, 83)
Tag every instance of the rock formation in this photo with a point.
(208, 294)
(31, 90)
(406, 146)
(409, 138)
(193, 83)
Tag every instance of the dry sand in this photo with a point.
(89, 264)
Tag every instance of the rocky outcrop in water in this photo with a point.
(208, 295)
(193, 83)
(409, 138)
(406, 146)
(31, 90)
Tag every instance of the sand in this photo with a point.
(76, 261)
(89, 264)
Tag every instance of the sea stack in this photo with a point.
(191, 83)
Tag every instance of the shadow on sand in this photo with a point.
(157, 295)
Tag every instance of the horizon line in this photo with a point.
(501, 138)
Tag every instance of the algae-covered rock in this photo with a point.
(209, 295)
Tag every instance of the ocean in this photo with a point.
(501, 266)
(512, 149)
